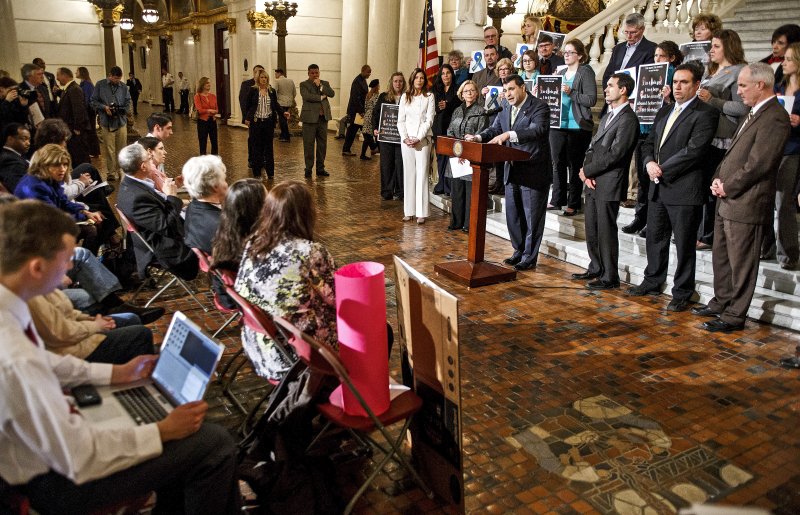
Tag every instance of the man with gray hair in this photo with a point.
(156, 215)
(633, 52)
(744, 185)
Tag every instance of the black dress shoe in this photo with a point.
(641, 290)
(570, 213)
(721, 326)
(452, 227)
(633, 227)
(323, 173)
(513, 260)
(704, 311)
(678, 305)
(585, 276)
(146, 315)
(526, 265)
(602, 285)
(308, 175)
(643, 233)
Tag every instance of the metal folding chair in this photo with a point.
(205, 266)
(159, 270)
(325, 360)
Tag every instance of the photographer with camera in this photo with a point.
(13, 103)
(112, 101)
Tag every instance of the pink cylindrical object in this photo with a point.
(361, 324)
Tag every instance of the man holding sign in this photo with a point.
(524, 123)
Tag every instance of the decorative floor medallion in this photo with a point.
(623, 462)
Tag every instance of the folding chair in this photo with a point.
(205, 266)
(323, 359)
(160, 270)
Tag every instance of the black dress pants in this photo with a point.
(207, 130)
(460, 199)
(169, 99)
(568, 148)
(391, 170)
(260, 142)
(601, 237)
(350, 136)
(284, 125)
(184, 108)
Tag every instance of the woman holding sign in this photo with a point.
(569, 142)
(720, 89)
(414, 122)
(444, 95)
(391, 158)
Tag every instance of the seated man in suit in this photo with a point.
(524, 124)
(605, 174)
(156, 215)
(60, 461)
(674, 156)
(13, 167)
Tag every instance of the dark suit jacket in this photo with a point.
(72, 108)
(244, 91)
(13, 167)
(134, 86)
(358, 96)
(312, 100)
(682, 157)
(533, 131)
(750, 166)
(548, 66)
(200, 225)
(609, 155)
(46, 106)
(159, 222)
(644, 54)
(252, 105)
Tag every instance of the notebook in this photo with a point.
(184, 369)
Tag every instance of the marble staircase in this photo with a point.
(777, 296)
(755, 20)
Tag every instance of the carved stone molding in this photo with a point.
(231, 24)
(116, 13)
(195, 34)
(168, 37)
(260, 20)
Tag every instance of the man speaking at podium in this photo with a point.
(523, 124)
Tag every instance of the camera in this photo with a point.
(116, 110)
(28, 94)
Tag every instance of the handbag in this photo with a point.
(359, 120)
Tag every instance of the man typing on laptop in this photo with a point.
(61, 462)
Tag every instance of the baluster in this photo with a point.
(649, 16)
(711, 6)
(608, 46)
(672, 17)
(594, 51)
(694, 10)
(683, 17)
(661, 15)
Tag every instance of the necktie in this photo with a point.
(670, 121)
(746, 121)
(514, 112)
(610, 117)
(31, 335)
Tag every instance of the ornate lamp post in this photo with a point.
(108, 8)
(281, 11)
(499, 9)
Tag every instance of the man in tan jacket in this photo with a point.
(744, 185)
(116, 339)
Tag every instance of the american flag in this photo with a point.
(428, 50)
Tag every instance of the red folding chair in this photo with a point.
(156, 268)
(323, 359)
(205, 266)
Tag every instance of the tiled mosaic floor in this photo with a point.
(573, 401)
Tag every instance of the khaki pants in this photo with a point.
(112, 143)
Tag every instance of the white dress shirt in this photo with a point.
(39, 431)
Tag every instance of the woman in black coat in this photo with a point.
(446, 100)
(261, 114)
(391, 160)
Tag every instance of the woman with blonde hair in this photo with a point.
(205, 103)
(261, 115)
(531, 25)
(415, 122)
(49, 167)
(391, 156)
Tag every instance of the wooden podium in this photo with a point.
(474, 271)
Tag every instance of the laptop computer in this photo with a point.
(187, 361)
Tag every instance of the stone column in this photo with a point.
(382, 39)
(354, 46)
(9, 57)
(468, 35)
(411, 12)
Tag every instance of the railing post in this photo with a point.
(672, 17)
(661, 15)
(594, 52)
(694, 10)
(649, 16)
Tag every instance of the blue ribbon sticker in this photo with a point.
(478, 58)
(493, 102)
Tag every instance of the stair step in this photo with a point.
(774, 7)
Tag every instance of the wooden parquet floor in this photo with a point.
(573, 401)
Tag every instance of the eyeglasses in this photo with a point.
(631, 32)
(570, 53)
(527, 60)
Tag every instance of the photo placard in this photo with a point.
(696, 51)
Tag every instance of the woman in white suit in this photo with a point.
(414, 122)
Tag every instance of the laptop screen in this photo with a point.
(187, 360)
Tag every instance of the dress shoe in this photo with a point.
(790, 362)
(348, 153)
(704, 311)
(678, 305)
(551, 207)
(465, 230)
(585, 276)
(633, 227)
(702, 246)
(146, 315)
(643, 233)
(721, 326)
(323, 173)
(789, 266)
(629, 204)
(407, 218)
(452, 227)
(513, 260)
(338, 137)
(525, 265)
(308, 174)
(386, 198)
(642, 290)
(420, 220)
(602, 285)
(366, 158)
(570, 212)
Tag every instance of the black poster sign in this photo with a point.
(549, 90)
(696, 51)
(651, 80)
(387, 124)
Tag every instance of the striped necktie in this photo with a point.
(670, 122)
(514, 113)
(746, 121)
